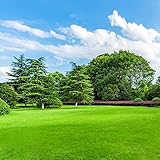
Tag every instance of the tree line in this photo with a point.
(118, 76)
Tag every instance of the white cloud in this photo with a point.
(133, 30)
(13, 49)
(56, 35)
(3, 73)
(82, 43)
(20, 26)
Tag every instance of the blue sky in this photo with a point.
(77, 30)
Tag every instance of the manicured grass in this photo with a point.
(83, 133)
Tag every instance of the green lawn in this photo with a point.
(82, 133)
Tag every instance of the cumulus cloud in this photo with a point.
(83, 43)
(3, 73)
(133, 30)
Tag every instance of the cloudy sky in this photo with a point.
(77, 30)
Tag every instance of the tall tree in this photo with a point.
(38, 87)
(18, 72)
(123, 69)
(33, 90)
(78, 86)
(58, 80)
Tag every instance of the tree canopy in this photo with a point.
(8, 94)
(78, 86)
(122, 73)
(18, 72)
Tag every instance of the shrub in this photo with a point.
(138, 100)
(56, 103)
(4, 107)
(8, 94)
(156, 99)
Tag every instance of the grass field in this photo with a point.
(82, 133)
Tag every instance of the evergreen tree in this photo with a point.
(158, 80)
(19, 72)
(38, 87)
(78, 86)
(58, 81)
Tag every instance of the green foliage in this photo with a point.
(156, 99)
(158, 80)
(19, 72)
(154, 91)
(58, 80)
(111, 92)
(125, 70)
(78, 86)
(8, 94)
(56, 103)
(138, 100)
(39, 88)
(118, 76)
(4, 107)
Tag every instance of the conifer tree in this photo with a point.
(18, 72)
(78, 86)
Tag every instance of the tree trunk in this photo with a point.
(76, 104)
(42, 105)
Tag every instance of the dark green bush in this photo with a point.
(153, 92)
(4, 107)
(56, 103)
(156, 99)
(138, 100)
(8, 94)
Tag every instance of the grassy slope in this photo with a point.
(91, 133)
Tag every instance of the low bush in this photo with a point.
(56, 103)
(8, 94)
(138, 100)
(4, 107)
(156, 99)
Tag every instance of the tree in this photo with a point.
(158, 80)
(58, 81)
(123, 69)
(51, 94)
(33, 90)
(18, 72)
(78, 86)
(153, 92)
(142, 90)
(4, 107)
(38, 87)
(111, 92)
(8, 94)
